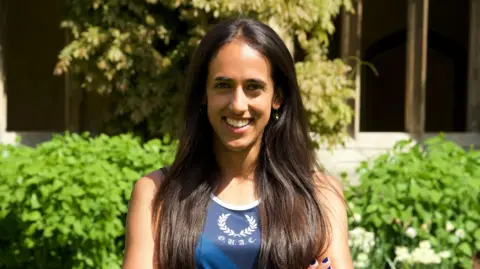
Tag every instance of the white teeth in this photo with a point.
(237, 123)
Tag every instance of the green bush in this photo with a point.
(416, 192)
(63, 204)
(136, 52)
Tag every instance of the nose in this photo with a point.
(239, 101)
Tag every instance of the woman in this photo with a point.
(242, 191)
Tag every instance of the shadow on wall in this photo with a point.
(383, 97)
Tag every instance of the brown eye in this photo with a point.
(254, 86)
(222, 85)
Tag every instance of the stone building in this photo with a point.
(427, 60)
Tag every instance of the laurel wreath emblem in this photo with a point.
(252, 227)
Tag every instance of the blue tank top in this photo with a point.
(230, 238)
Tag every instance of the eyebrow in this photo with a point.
(223, 79)
(251, 80)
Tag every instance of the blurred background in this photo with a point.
(91, 94)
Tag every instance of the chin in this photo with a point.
(239, 145)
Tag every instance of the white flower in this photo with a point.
(402, 254)
(361, 261)
(362, 257)
(362, 242)
(425, 245)
(369, 242)
(411, 232)
(5, 154)
(357, 217)
(425, 256)
(361, 239)
(460, 233)
(444, 254)
(358, 264)
(355, 233)
(449, 226)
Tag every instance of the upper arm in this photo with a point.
(139, 242)
(331, 192)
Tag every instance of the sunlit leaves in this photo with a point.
(137, 52)
(69, 196)
(432, 189)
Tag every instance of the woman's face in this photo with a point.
(240, 95)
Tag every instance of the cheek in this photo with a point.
(210, 110)
(263, 110)
(215, 104)
(268, 112)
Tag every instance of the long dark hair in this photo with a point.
(293, 221)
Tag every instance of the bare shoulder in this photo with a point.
(143, 193)
(328, 185)
(147, 186)
(139, 242)
(330, 193)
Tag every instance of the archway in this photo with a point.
(383, 96)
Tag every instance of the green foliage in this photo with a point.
(63, 204)
(137, 53)
(416, 192)
(326, 95)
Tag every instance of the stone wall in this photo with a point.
(370, 145)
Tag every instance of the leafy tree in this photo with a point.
(137, 53)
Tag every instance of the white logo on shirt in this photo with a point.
(252, 227)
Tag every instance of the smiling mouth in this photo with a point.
(238, 123)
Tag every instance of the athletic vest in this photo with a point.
(230, 238)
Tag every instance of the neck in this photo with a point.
(236, 165)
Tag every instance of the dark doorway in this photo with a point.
(383, 96)
(33, 40)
